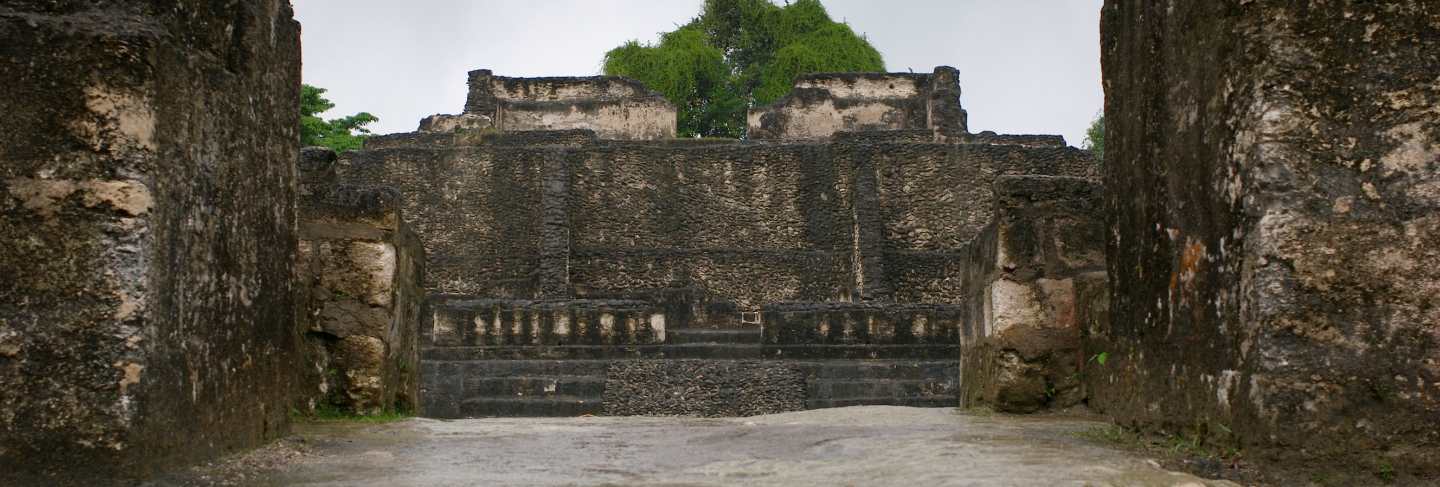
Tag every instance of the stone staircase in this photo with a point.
(840, 383)
(517, 387)
(486, 358)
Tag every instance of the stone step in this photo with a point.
(482, 407)
(925, 352)
(919, 402)
(713, 335)
(688, 349)
(520, 353)
(522, 368)
(882, 369)
(474, 388)
(712, 351)
(535, 386)
(593, 353)
(882, 382)
(840, 389)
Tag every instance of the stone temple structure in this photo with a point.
(579, 259)
(177, 276)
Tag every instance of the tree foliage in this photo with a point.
(340, 134)
(1095, 138)
(737, 53)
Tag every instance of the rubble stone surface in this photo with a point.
(702, 388)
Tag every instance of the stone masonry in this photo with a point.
(1273, 196)
(359, 270)
(1029, 274)
(840, 250)
(612, 107)
(825, 103)
(172, 287)
(147, 234)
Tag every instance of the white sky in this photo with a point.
(1026, 66)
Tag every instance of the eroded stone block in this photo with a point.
(1029, 273)
(1271, 170)
(360, 269)
(147, 221)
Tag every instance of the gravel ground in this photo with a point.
(872, 445)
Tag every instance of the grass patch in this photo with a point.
(1185, 452)
(1112, 435)
(330, 413)
(1170, 445)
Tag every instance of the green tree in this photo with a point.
(1095, 138)
(340, 134)
(739, 53)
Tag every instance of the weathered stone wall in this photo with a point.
(1021, 349)
(556, 253)
(819, 105)
(715, 217)
(359, 273)
(705, 388)
(477, 209)
(932, 199)
(1272, 175)
(612, 107)
(732, 225)
(147, 224)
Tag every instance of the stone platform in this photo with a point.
(487, 357)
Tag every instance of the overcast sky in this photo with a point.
(1026, 66)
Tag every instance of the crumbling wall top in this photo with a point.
(611, 106)
(867, 85)
(487, 89)
(822, 104)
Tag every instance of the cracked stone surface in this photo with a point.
(872, 445)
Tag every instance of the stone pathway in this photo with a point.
(862, 446)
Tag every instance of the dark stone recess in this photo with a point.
(148, 225)
(1271, 171)
(702, 388)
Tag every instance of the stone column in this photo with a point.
(555, 226)
(869, 229)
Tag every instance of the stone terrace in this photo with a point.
(556, 257)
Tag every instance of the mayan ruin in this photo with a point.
(562, 283)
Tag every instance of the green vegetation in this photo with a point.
(340, 134)
(1180, 447)
(1111, 435)
(1385, 471)
(1100, 358)
(331, 413)
(1095, 140)
(739, 53)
